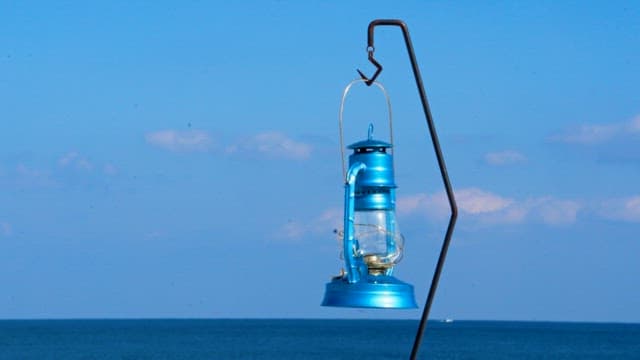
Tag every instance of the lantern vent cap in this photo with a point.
(370, 143)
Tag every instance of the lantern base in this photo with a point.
(373, 291)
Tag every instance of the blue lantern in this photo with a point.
(371, 240)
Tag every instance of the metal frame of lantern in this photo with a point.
(393, 285)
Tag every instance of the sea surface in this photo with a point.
(313, 339)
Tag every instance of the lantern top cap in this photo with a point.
(377, 144)
(370, 143)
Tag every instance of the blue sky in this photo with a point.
(182, 160)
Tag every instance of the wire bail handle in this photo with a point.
(340, 119)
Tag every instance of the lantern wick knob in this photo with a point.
(370, 132)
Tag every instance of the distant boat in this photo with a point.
(447, 320)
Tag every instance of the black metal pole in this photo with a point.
(441, 164)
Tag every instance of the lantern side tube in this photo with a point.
(353, 273)
(392, 246)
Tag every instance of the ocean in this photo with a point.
(313, 339)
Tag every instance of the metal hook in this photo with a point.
(377, 65)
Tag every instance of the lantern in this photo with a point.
(371, 240)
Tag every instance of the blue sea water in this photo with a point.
(312, 339)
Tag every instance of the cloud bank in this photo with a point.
(623, 209)
(268, 144)
(180, 141)
(272, 144)
(489, 208)
(593, 134)
(506, 157)
(481, 207)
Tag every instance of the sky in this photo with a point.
(181, 160)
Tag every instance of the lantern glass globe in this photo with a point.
(378, 240)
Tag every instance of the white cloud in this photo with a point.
(624, 209)
(555, 211)
(272, 144)
(74, 160)
(412, 203)
(489, 208)
(476, 201)
(506, 157)
(588, 134)
(592, 134)
(181, 141)
(5, 228)
(430, 205)
(469, 200)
